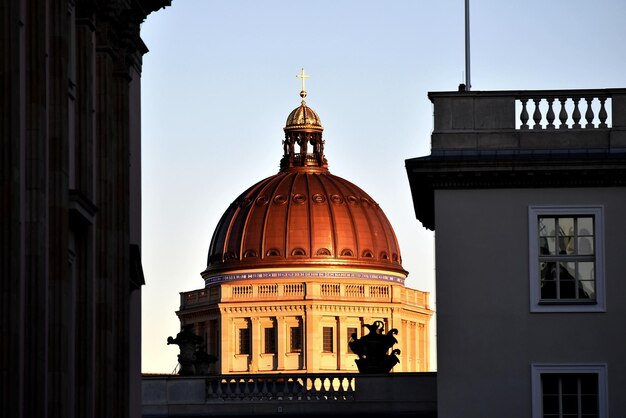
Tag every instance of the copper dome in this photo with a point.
(303, 216)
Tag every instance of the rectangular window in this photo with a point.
(577, 391)
(270, 340)
(295, 339)
(566, 270)
(327, 346)
(244, 341)
(352, 336)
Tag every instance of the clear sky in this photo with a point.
(219, 82)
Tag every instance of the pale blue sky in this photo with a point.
(219, 82)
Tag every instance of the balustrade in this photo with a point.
(300, 387)
(355, 290)
(266, 290)
(543, 106)
(529, 120)
(330, 289)
(379, 291)
(291, 290)
(242, 291)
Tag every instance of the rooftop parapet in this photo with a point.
(468, 121)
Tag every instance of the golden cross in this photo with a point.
(303, 76)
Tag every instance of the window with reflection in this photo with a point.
(567, 258)
(566, 267)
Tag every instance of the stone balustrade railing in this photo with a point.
(568, 106)
(303, 291)
(530, 119)
(290, 395)
(294, 387)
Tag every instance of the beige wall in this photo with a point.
(245, 305)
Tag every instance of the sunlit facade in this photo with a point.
(297, 265)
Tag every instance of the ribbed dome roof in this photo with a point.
(303, 216)
(303, 118)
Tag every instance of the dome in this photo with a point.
(303, 216)
(303, 118)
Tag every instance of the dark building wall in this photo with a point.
(70, 272)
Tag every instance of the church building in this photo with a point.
(298, 264)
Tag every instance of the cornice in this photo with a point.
(516, 170)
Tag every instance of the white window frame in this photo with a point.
(537, 369)
(533, 258)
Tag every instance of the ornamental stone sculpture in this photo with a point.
(373, 349)
(187, 342)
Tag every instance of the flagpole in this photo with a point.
(468, 83)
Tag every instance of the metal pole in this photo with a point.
(468, 83)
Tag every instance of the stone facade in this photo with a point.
(303, 309)
(70, 209)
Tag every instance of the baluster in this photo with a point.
(341, 391)
(229, 391)
(329, 389)
(310, 387)
(218, 390)
(550, 114)
(523, 117)
(264, 389)
(237, 388)
(285, 391)
(301, 389)
(537, 115)
(256, 393)
(563, 114)
(274, 390)
(602, 115)
(576, 114)
(209, 389)
(246, 388)
(315, 388)
(589, 113)
(294, 389)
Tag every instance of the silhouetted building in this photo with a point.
(530, 227)
(298, 264)
(70, 208)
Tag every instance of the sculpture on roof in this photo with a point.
(373, 349)
(193, 358)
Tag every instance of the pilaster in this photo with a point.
(312, 339)
(282, 342)
(256, 348)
